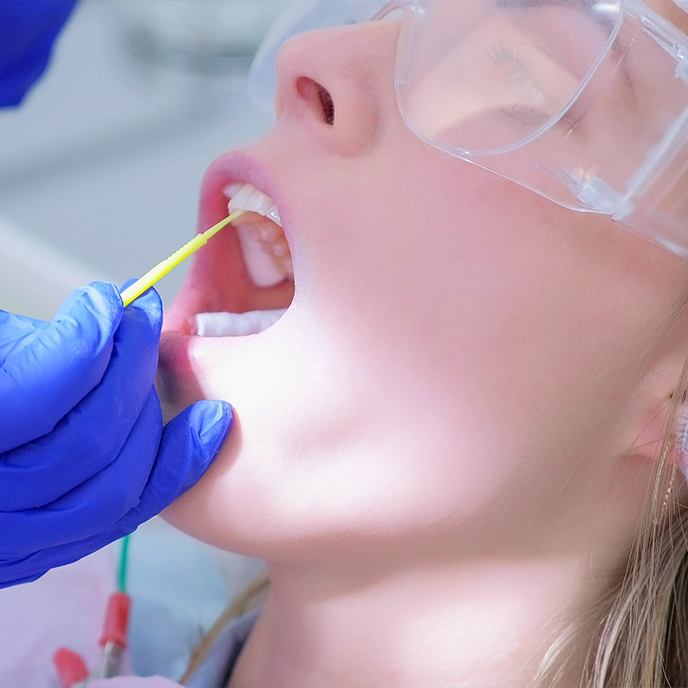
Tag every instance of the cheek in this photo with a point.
(448, 360)
(398, 410)
(498, 314)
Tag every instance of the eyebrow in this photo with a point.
(602, 21)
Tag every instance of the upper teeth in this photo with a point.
(264, 246)
(247, 197)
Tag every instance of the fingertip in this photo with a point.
(105, 295)
(91, 314)
(150, 303)
(103, 300)
(189, 444)
(101, 297)
(210, 421)
(216, 421)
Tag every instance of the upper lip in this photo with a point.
(239, 166)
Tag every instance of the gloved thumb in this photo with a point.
(206, 425)
(189, 445)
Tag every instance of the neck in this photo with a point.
(481, 623)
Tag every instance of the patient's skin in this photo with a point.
(432, 448)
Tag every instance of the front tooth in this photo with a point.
(236, 324)
(232, 189)
(249, 199)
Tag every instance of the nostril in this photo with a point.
(327, 104)
(318, 96)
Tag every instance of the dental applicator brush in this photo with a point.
(154, 275)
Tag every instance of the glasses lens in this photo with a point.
(486, 75)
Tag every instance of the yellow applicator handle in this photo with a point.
(154, 275)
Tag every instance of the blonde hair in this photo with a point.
(641, 637)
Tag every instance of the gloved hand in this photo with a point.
(28, 29)
(84, 458)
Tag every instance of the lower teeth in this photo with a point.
(236, 324)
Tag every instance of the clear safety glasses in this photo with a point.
(584, 102)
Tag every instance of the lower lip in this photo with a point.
(174, 348)
(179, 361)
(188, 364)
(180, 346)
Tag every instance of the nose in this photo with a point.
(339, 84)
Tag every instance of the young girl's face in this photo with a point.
(461, 361)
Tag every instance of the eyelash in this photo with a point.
(500, 53)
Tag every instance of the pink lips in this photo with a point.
(218, 280)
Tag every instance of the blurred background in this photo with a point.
(99, 178)
(100, 168)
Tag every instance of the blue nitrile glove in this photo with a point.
(84, 457)
(28, 29)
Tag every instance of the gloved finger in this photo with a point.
(97, 504)
(92, 435)
(189, 444)
(49, 374)
(27, 32)
(14, 331)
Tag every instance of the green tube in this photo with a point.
(123, 565)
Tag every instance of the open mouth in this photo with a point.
(242, 282)
(266, 257)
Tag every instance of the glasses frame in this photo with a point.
(597, 194)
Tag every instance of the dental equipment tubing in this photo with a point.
(154, 275)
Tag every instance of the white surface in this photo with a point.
(62, 609)
(36, 276)
(105, 159)
(178, 585)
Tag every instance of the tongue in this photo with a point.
(236, 324)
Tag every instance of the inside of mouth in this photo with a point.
(251, 279)
(265, 250)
